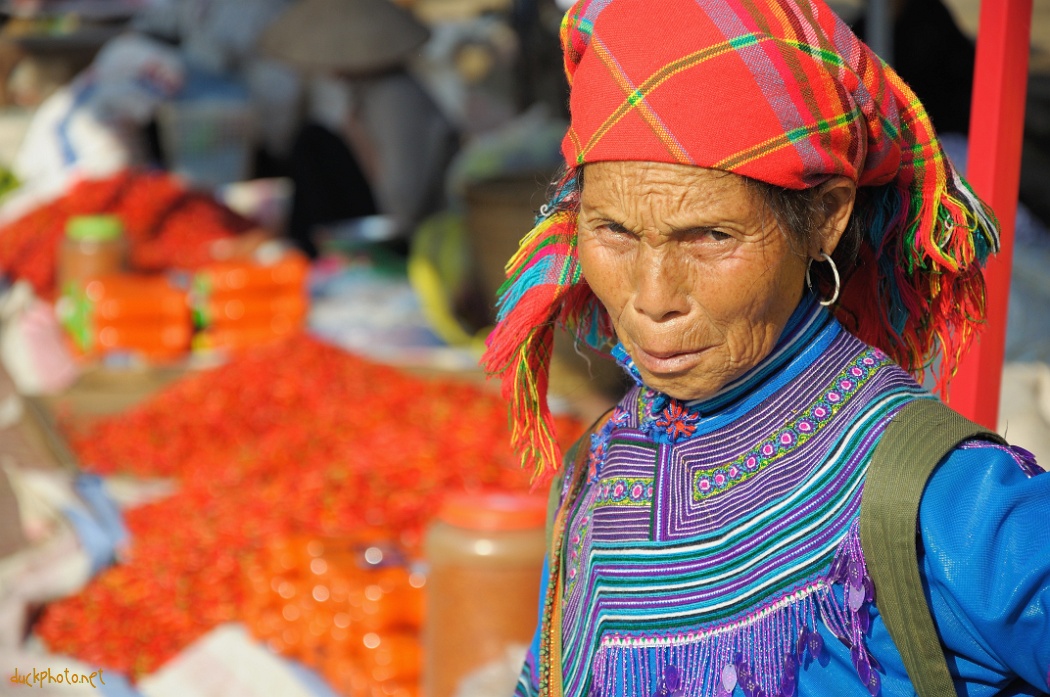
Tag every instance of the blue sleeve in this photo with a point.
(984, 521)
(528, 680)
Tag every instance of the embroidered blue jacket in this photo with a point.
(806, 624)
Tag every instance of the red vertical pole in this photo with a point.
(994, 171)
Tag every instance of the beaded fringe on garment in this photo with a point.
(761, 652)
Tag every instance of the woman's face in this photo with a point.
(697, 276)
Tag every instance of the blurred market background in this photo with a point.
(249, 251)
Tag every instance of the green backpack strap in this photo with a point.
(915, 441)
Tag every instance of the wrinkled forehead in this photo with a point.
(635, 178)
(667, 195)
(643, 178)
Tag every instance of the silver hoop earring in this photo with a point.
(834, 272)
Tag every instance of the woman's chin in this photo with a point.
(687, 386)
(680, 375)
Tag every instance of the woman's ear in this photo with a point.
(836, 198)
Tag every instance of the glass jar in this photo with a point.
(485, 557)
(93, 246)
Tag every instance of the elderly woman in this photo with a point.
(758, 221)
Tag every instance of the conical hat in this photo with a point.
(350, 36)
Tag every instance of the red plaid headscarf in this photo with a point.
(781, 91)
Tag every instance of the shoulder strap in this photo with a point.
(915, 441)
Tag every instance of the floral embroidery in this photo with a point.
(596, 459)
(625, 491)
(575, 552)
(677, 422)
(600, 439)
(710, 482)
(620, 417)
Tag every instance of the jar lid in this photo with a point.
(494, 511)
(94, 228)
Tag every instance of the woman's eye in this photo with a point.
(614, 230)
(708, 234)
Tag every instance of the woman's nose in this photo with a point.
(659, 291)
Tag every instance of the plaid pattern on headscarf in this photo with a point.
(781, 91)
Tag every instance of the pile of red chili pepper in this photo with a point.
(166, 225)
(299, 438)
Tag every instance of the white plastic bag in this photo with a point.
(32, 345)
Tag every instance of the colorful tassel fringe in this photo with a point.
(543, 289)
(917, 291)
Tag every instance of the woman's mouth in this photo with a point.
(666, 362)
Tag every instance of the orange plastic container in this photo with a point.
(242, 335)
(485, 556)
(129, 313)
(226, 309)
(131, 298)
(237, 276)
(151, 339)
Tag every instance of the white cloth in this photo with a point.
(225, 662)
(91, 127)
